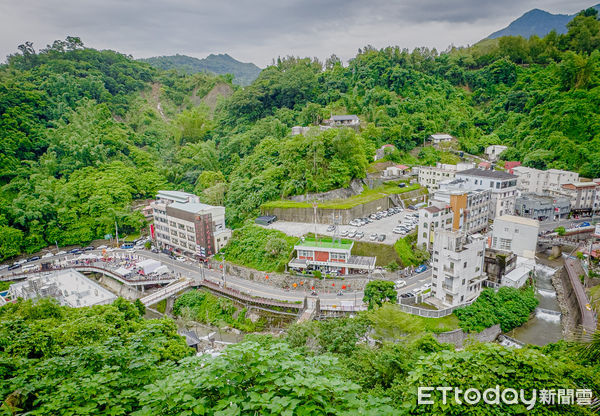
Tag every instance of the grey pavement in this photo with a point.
(382, 226)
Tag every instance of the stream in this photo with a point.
(544, 327)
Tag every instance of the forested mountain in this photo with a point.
(221, 64)
(536, 22)
(83, 133)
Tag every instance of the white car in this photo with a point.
(400, 284)
(101, 247)
(181, 258)
(373, 237)
(45, 256)
(61, 253)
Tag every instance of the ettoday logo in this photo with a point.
(508, 396)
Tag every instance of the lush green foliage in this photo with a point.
(260, 248)
(508, 307)
(71, 115)
(408, 252)
(108, 360)
(204, 307)
(59, 360)
(379, 291)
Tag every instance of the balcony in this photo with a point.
(449, 269)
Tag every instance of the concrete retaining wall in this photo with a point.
(128, 292)
(325, 216)
(575, 299)
(458, 336)
(355, 188)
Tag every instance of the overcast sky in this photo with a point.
(260, 30)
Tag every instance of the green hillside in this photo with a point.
(221, 64)
(84, 133)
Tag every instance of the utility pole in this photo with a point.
(56, 242)
(223, 267)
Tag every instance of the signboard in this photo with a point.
(597, 231)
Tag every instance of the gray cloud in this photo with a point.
(260, 30)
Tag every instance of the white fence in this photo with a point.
(431, 313)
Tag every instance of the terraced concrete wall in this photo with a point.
(325, 216)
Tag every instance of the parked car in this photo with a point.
(102, 247)
(373, 216)
(352, 234)
(427, 285)
(180, 258)
(402, 185)
(584, 224)
(344, 233)
(61, 253)
(421, 269)
(330, 228)
(373, 237)
(89, 248)
(22, 261)
(14, 266)
(400, 284)
(34, 258)
(381, 237)
(74, 250)
(47, 255)
(360, 235)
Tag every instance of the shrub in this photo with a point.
(508, 307)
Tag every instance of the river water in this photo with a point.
(544, 327)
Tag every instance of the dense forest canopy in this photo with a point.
(84, 133)
(109, 360)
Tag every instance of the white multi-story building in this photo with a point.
(516, 234)
(457, 263)
(470, 207)
(431, 219)
(455, 208)
(430, 176)
(183, 223)
(584, 196)
(502, 185)
(530, 180)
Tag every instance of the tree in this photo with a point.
(560, 230)
(11, 241)
(379, 291)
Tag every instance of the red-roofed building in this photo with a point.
(485, 165)
(510, 165)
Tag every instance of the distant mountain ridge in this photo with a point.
(244, 73)
(536, 22)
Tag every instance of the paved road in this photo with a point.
(551, 225)
(196, 271)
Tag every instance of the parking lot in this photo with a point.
(384, 226)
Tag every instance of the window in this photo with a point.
(505, 244)
(424, 235)
(465, 265)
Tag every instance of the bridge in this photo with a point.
(166, 292)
